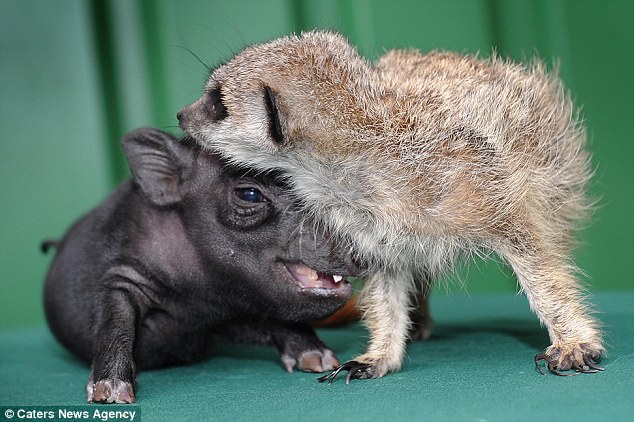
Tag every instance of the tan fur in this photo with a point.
(419, 160)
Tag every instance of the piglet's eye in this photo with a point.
(252, 195)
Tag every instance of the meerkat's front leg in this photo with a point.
(385, 303)
(555, 295)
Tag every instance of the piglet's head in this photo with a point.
(266, 256)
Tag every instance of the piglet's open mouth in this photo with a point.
(312, 279)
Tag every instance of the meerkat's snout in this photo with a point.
(257, 119)
(184, 116)
(208, 109)
(181, 116)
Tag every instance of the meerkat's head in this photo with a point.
(298, 94)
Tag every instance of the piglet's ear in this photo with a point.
(159, 164)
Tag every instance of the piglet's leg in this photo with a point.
(113, 372)
(300, 347)
(297, 343)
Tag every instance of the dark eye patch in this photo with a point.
(273, 111)
(215, 105)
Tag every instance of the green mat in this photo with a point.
(477, 367)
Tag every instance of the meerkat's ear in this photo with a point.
(277, 119)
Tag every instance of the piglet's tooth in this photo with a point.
(337, 278)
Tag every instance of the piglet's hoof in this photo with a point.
(311, 361)
(356, 370)
(580, 361)
(110, 391)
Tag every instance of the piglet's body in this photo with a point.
(185, 250)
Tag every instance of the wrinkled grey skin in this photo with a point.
(185, 250)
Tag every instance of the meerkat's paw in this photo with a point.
(581, 358)
(364, 367)
(356, 370)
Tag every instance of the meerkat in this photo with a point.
(419, 160)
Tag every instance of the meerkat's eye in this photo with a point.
(215, 106)
(276, 129)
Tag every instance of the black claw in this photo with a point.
(585, 369)
(362, 371)
(592, 362)
(356, 370)
(595, 367)
(589, 365)
(552, 367)
(331, 376)
(538, 357)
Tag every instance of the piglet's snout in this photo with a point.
(324, 252)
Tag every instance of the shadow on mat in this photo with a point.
(527, 332)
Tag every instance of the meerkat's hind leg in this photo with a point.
(420, 315)
(556, 296)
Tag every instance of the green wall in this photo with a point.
(75, 75)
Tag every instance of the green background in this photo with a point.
(76, 75)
